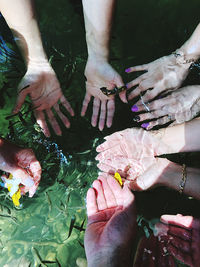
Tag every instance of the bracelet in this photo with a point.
(183, 180)
(181, 58)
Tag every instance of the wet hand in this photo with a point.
(132, 151)
(41, 84)
(98, 75)
(22, 164)
(163, 74)
(181, 235)
(111, 222)
(178, 107)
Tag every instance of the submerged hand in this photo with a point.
(101, 75)
(22, 164)
(41, 84)
(111, 223)
(180, 106)
(165, 73)
(181, 235)
(132, 151)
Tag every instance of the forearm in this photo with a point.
(172, 178)
(20, 17)
(183, 137)
(98, 20)
(191, 47)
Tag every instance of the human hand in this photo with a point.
(101, 74)
(41, 84)
(180, 106)
(22, 164)
(132, 151)
(152, 252)
(111, 223)
(165, 73)
(181, 235)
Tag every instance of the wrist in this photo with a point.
(174, 137)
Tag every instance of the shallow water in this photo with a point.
(49, 228)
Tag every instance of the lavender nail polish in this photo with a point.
(134, 108)
(128, 70)
(145, 125)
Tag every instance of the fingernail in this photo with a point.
(145, 125)
(128, 70)
(136, 118)
(134, 108)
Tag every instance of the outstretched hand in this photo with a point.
(41, 84)
(165, 73)
(178, 107)
(181, 235)
(111, 223)
(22, 164)
(131, 152)
(98, 75)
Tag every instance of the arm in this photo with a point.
(166, 73)
(169, 174)
(183, 137)
(40, 81)
(21, 19)
(98, 20)
(22, 164)
(99, 73)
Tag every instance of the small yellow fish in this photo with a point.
(118, 178)
(16, 197)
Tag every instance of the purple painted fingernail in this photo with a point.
(134, 108)
(145, 125)
(128, 70)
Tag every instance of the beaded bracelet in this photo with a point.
(183, 180)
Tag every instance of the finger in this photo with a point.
(109, 196)
(160, 121)
(110, 112)
(151, 94)
(95, 113)
(67, 105)
(85, 104)
(105, 168)
(135, 81)
(155, 105)
(152, 115)
(163, 257)
(179, 220)
(136, 92)
(40, 119)
(137, 68)
(62, 116)
(123, 96)
(102, 115)
(117, 190)
(101, 201)
(25, 178)
(180, 255)
(20, 99)
(180, 244)
(92, 208)
(128, 196)
(36, 170)
(53, 122)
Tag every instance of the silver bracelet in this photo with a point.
(181, 58)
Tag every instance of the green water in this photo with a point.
(49, 229)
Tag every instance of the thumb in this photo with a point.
(21, 97)
(24, 177)
(122, 95)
